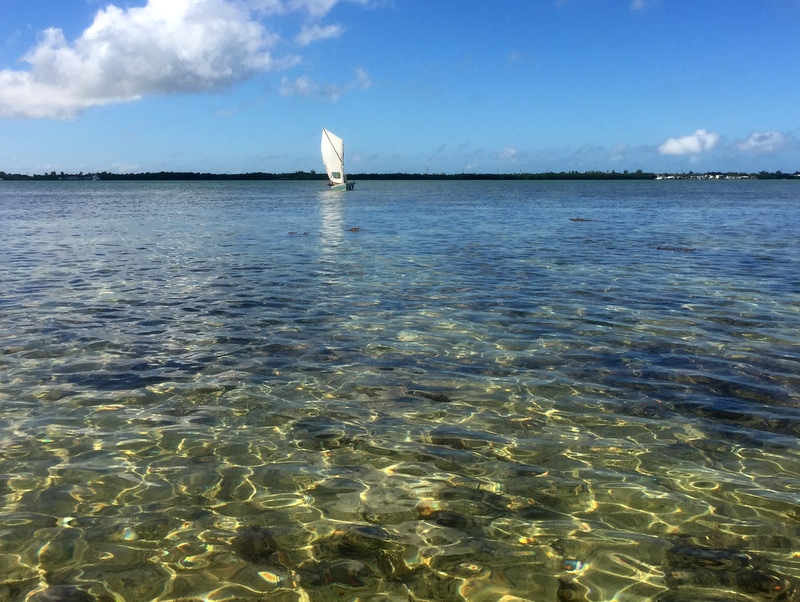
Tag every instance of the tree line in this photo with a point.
(313, 175)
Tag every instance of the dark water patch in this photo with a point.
(431, 395)
(268, 545)
(121, 381)
(723, 411)
(457, 438)
(703, 568)
(317, 433)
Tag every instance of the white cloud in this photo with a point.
(314, 33)
(119, 167)
(698, 142)
(360, 81)
(314, 8)
(637, 4)
(268, 7)
(508, 154)
(301, 85)
(764, 143)
(305, 86)
(163, 47)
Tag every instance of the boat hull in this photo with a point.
(344, 186)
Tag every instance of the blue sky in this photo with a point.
(453, 86)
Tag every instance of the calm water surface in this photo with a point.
(555, 391)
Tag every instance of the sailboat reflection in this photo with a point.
(332, 210)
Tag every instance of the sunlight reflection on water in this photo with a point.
(428, 391)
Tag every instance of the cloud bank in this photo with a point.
(764, 143)
(695, 144)
(163, 47)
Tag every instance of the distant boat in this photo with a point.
(333, 158)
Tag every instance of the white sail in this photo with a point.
(333, 156)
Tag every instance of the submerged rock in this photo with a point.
(319, 433)
(695, 567)
(570, 591)
(367, 545)
(256, 545)
(675, 249)
(348, 573)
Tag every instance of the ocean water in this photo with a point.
(454, 391)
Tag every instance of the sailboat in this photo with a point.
(333, 158)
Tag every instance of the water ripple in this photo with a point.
(474, 397)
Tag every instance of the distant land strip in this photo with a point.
(313, 175)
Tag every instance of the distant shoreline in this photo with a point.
(312, 175)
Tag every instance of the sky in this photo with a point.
(416, 86)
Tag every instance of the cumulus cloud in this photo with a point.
(315, 32)
(697, 143)
(163, 47)
(764, 143)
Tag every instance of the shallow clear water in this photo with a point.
(414, 391)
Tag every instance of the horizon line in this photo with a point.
(314, 175)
